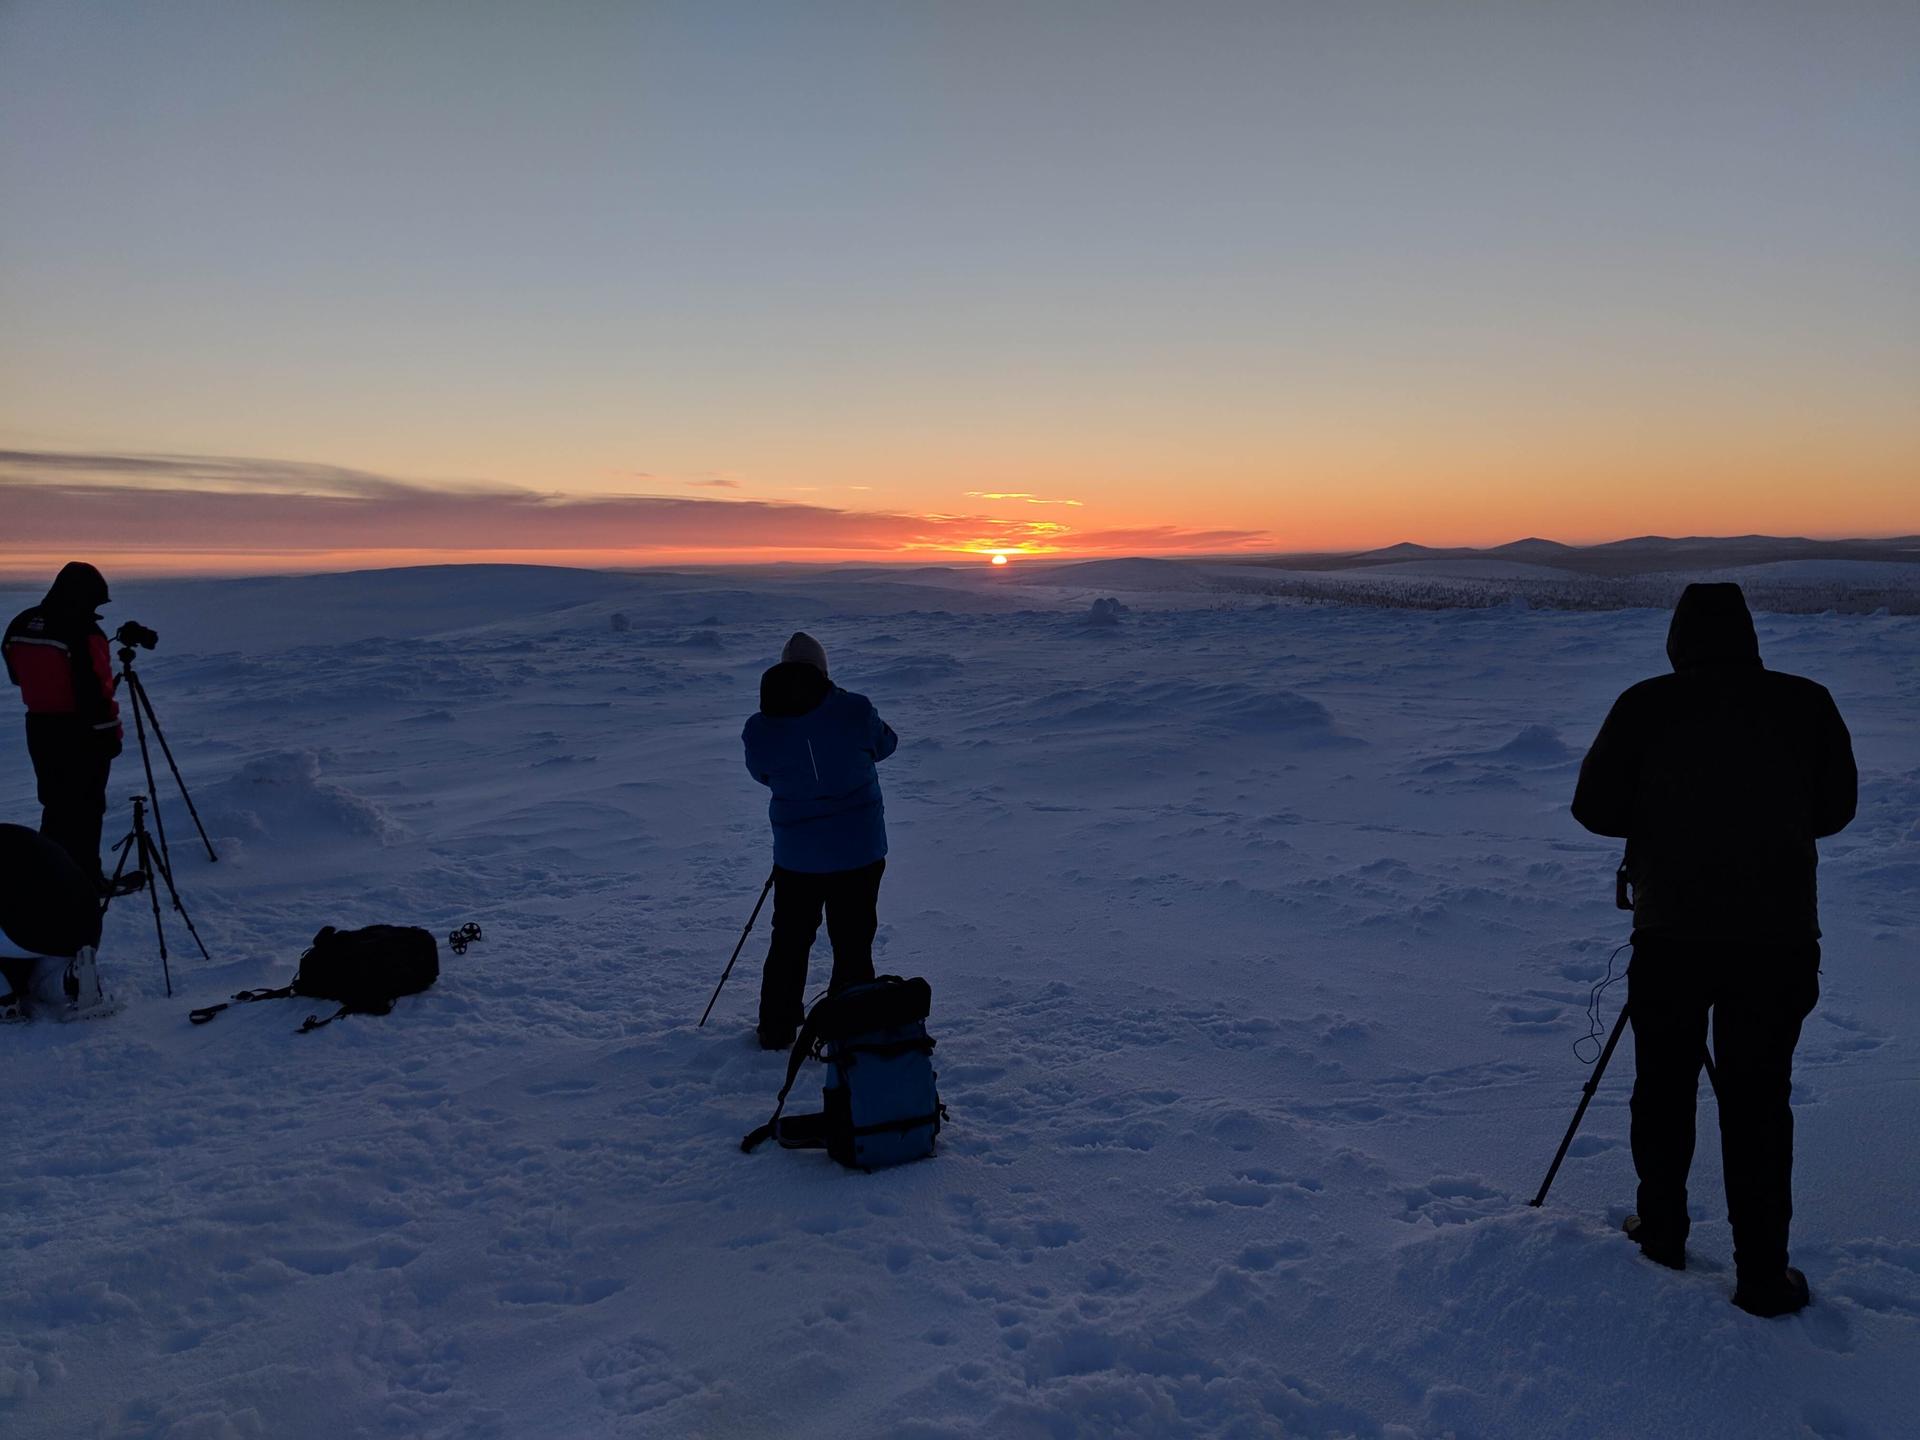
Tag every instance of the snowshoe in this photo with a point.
(59, 989)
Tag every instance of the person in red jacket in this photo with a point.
(57, 654)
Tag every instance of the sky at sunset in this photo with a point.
(312, 285)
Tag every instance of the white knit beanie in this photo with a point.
(805, 650)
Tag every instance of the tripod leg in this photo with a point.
(1586, 1099)
(142, 702)
(149, 859)
(136, 691)
(166, 874)
(122, 850)
(738, 948)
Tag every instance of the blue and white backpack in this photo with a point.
(880, 1106)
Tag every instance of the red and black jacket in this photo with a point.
(59, 657)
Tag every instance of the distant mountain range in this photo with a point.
(1642, 555)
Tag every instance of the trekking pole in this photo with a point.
(1586, 1098)
(764, 890)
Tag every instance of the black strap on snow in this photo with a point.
(314, 1022)
(803, 1044)
(206, 1013)
(900, 1127)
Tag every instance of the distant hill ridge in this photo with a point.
(1638, 555)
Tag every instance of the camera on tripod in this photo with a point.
(152, 864)
(134, 633)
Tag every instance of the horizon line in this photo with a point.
(27, 569)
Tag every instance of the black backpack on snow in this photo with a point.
(365, 970)
(880, 1104)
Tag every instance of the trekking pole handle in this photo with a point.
(745, 931)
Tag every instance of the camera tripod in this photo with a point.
(143, 716)
(151, 868)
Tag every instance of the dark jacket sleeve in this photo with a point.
(1609, 776)
(93, 687)
(746, 744)
(881, 741)
(6, 647)
(93, 678)
(1836, 779)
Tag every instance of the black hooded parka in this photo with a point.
(1720, 777)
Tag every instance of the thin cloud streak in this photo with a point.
(52, 504)
(1020, 495)
(207, 472)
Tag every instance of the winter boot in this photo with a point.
(1773, 1295)
(67, 989)
(80, 982)
(1661, 1247)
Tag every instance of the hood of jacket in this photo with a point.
(1712, 626)
(78, 588)
(792, 688)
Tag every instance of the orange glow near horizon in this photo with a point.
(1285, 279)
(179, 514)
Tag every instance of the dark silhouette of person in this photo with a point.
(815, 746)
(49, 924)
(1720, 777)
(57, 654)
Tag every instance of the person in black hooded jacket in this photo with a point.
(1720, 777)
(57, 654)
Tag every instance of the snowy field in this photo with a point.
(1259, 937)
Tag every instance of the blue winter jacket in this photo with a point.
(815, 746)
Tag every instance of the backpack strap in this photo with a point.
(802, 1047)
(371, 1007)
(207, 1012)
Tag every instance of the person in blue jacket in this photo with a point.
(815, 746)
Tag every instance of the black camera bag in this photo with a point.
(365, 970)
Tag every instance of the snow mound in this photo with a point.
(1107, 610)
(1217, 706)
(1536, 745)
(909, 672)
(707, 640)
(280, 796)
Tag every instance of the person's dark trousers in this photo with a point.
(70, 765)
(851, 901)
(1757, 996)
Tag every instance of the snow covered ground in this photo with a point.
(1259, 938)
(1802, 587)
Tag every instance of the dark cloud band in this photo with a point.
(103, 503)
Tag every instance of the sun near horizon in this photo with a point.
(624, 287)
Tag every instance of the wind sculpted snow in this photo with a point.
(1259, 938)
